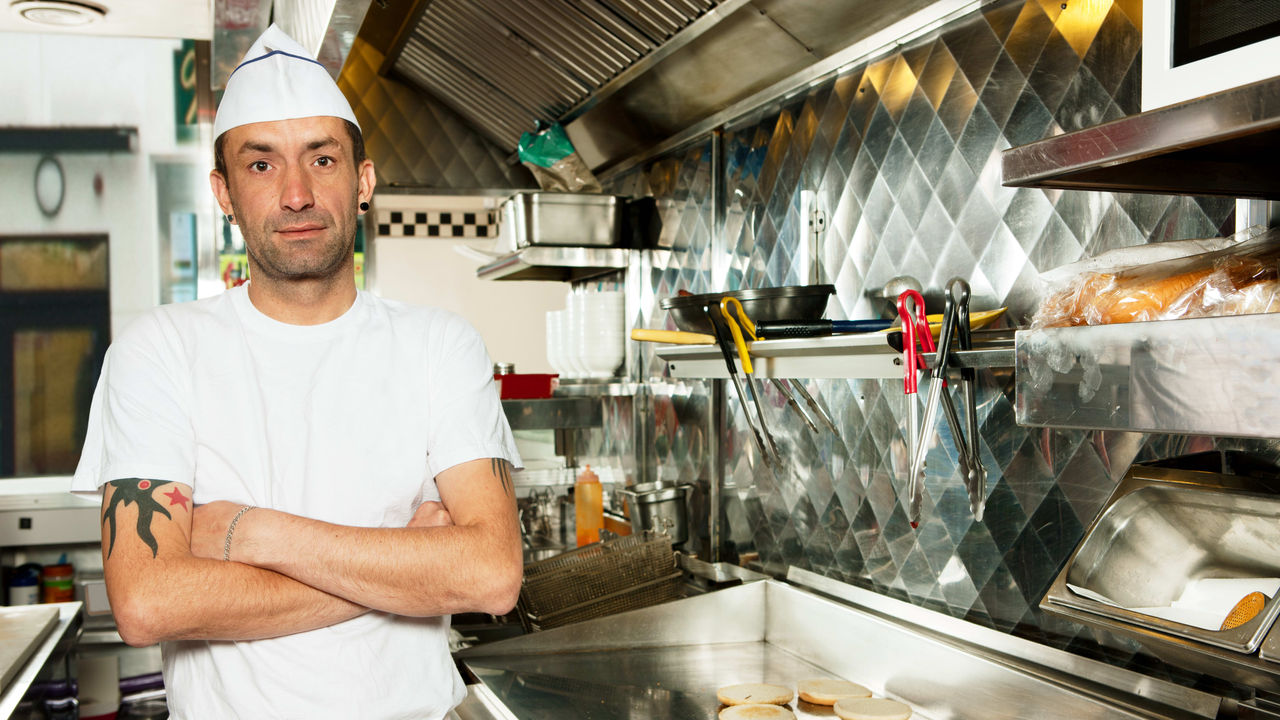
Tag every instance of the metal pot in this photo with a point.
(659, 507)
(793, 302)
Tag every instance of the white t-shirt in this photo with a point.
(347, 422)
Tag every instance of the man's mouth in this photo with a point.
(299, 229)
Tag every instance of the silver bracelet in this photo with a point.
(226, 545)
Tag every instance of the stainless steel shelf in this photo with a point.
(1220, 144)
(553, 413)
(1204, 376)
(596, 388)
(549, 262)
(837, 356)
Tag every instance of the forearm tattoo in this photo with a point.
(502, 471)
(140, 492)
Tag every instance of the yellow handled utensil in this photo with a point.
(736, 329)
(977, 321)
(745, 356)
(778, 383)
(675, 337)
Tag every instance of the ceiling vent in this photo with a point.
(58, 13)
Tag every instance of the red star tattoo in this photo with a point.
(177, 498)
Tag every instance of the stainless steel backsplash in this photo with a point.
(902, 155)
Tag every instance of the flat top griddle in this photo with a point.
(662, 682)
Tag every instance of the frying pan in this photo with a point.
(792, 302)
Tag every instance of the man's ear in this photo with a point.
(367, 180)
(221, 192)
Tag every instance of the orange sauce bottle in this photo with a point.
(588, 507)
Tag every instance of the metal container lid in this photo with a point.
(657, 492)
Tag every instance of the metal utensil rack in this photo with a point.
(866, 355)
(603, 578)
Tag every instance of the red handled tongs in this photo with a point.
(916, 336)
(955, 322)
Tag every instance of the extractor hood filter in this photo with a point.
(504, 65)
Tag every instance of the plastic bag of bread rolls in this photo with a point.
(1241, 278)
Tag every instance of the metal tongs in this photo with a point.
(976, 478)
(915, 334)
(750, 329)
(955, 319)
(727, 352)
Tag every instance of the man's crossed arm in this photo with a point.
(167, 580)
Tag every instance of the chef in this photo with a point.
(300, 481)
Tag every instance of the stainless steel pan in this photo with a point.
(793, 302)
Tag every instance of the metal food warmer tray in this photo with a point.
(1162, 529)
(667, 661)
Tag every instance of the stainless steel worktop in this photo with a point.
(667, 662)
(666, 682)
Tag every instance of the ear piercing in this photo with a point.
(231, 218)
(364, 207)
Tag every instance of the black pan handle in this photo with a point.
(779, 329)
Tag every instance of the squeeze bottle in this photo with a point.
(588, 507)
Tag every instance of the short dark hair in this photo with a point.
(220, 158)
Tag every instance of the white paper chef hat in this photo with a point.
(278, 80)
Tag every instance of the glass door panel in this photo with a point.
(61, 264)
(54, 371)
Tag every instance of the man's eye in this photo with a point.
(260, 166)
(324, 161)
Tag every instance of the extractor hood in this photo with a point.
(327, 28)
(622, 76)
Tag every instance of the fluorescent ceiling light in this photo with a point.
(58, 13)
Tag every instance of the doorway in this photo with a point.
(55, 325)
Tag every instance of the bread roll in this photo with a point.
(826, 691)
(754, 694)
(1206, 285)
(872, 709)
(756, 712)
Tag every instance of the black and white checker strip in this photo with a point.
(443, 224)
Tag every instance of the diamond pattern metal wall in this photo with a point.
(904, 157)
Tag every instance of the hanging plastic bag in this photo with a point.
(554, 163)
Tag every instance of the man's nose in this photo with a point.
(296, 194)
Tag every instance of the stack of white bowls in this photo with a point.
(588, 338)
(557, 343)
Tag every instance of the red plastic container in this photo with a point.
(525, 386)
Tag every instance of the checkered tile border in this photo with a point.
(444, 224)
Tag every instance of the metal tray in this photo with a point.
(1161, 529)
(1157, 536)
(561, 219)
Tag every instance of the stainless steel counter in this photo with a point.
(667, 662)
(666, 682)
(60, 639)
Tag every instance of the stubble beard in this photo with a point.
(321, 260)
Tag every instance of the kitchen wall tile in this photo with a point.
(903, 155)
